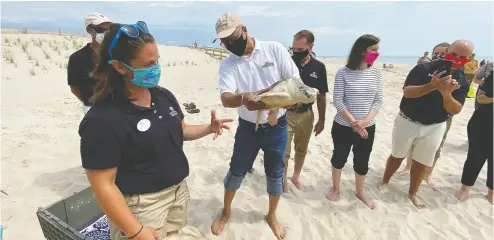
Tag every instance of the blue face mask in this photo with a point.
(145, 77)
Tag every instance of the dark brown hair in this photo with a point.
(359, 49)
(109, 82)
(305, 34)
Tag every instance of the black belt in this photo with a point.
(264, 125)
(300, 110)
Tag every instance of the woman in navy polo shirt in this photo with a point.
(132, 139)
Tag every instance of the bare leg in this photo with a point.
(463, 193)
(359, 185)
(334, 192)
(490, 196)
(416, 176)
(285, 183)
(392, 165)
(221, 220)
(428, 173)
(299, 163)
(273, 223)
(408, 166)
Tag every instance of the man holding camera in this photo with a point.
(430, 98)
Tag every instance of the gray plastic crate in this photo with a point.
(65, 219)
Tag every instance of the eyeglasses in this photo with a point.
(131, 30)
(232, 38)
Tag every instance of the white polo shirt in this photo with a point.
(269, 62)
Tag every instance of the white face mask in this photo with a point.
(99, 37)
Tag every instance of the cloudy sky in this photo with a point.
(405, 28)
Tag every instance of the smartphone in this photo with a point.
(444, 65)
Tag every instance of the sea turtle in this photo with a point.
(284, 93)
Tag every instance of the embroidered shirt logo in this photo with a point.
(267, 64)
(313, 74)
(173, 113)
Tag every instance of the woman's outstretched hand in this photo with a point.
(217, 125)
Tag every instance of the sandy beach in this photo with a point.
(41, 162)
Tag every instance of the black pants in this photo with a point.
(343, 139)
(480, 141)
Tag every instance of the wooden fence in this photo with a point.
(34, 31)
(217, 53)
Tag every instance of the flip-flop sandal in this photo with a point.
(193, 110)
(192, 105)
(186, 105)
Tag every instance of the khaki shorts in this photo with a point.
(165, 211)
(416, 140)
(300, 127)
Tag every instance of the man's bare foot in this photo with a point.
(276, 227)
(333, 195)
(382, 188)
(462, 195)
(285, 186)
(367, 202)
(296, 181)
(220, 222)
(490, 196)
(417, 201)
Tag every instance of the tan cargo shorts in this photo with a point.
(164, 211)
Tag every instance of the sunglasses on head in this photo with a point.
(131, 30)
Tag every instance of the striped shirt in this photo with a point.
(357, 91)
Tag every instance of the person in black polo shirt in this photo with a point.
(82, 62)
(428, 101)
(301, 117)
(480, 142)
(132, 139)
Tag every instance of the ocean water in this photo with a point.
(404, 59)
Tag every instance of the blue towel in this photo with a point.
(99, 230)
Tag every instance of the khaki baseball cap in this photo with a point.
(95, 18)
(226, 25)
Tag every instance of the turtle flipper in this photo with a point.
(273, 116)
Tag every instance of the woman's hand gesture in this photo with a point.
(217, 125)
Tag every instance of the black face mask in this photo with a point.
(238, 46)
(299, 56)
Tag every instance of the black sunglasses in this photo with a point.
(99, 29)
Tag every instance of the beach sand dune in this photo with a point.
(41, 162)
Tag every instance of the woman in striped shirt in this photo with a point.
(358, 95)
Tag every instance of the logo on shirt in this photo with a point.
(143, 125)
(267, 64)
(313, 74)
(173, 113)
